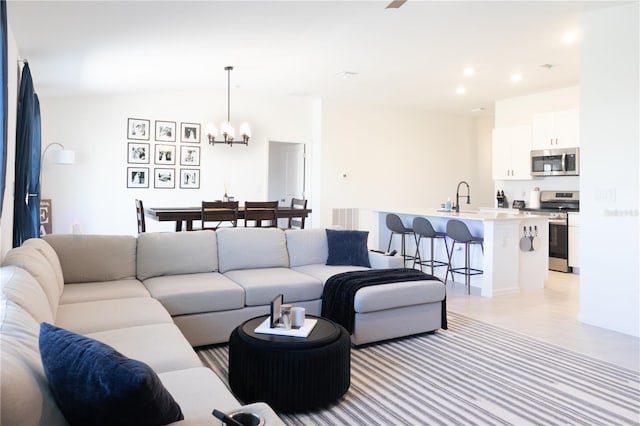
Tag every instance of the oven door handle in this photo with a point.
(562, 222)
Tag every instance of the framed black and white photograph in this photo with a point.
(137, 177)
(190, 132)
(165, 154)
(166, 131)
(138, 153)
(190, 178)
(164, 178)
(189, 155)
(138, 128)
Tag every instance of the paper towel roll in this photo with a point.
(534, 199)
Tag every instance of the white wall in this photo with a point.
(519, 112)
(93, 194)
(610, 178)
(396, 158)
(6, 222)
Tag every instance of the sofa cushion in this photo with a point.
(347, 248)
(25, 396)
(94, 258)
(251, 248)
(307, 246)
(34, 262)
(105, 290)
(196, 293)
(50, 254)
(161, 346)
(262, 285)
(397, 295)
(324, 272)
(198, 391)
(95, 384)
(100, 315)
(173, 253)
(20, 287)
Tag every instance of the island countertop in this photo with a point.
(507, 268)
(463, 214)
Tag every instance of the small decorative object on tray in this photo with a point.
(286, 320)
(304, 331)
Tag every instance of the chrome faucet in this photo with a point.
(457, 208)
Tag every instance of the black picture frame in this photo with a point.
(276, 303)
(165, 131)
(190, 178)
(138, 129)
(190, 132)
(164, 178)
(138, 152)
(189, 155)
(137, 177)
(165, 155)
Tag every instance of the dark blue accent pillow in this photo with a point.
(348, 248)
(95, 384)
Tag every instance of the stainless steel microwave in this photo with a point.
(555, 162)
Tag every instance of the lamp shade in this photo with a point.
(63, 156)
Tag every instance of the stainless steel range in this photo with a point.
(556, 205)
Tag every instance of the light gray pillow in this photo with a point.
(173, 253)
(307, 246)
(250, 248)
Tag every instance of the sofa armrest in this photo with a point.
(380, 261)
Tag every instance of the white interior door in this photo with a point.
(286, 171)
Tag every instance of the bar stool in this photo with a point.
(395, 225)
(459, 233)
(423, 229)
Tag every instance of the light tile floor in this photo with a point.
(550, 315)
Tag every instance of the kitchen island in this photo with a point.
(507, 268)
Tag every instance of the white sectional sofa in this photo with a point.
(155, 296)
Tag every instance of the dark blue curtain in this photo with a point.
(3, 98)
(26, 221)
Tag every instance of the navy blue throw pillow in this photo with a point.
(348, 248)
(95, 384)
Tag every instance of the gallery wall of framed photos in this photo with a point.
(159, 153)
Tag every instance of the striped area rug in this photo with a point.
(472, 374)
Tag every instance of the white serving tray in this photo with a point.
(303, 331)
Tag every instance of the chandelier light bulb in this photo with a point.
(245, 131)
(211, 131)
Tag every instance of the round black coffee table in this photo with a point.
(292, 374)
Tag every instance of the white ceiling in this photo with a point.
(412, 56)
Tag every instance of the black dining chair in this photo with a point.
(298, 222)
(142, 226)
(259, 211)
(219, 212)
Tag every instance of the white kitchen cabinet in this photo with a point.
(560, 129)
(574, 240)
(511, 153)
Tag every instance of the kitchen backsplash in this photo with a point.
(520, 189)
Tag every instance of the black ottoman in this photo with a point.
(291, 374)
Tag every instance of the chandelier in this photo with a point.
(227, 130)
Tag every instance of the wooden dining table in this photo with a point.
(189, 214)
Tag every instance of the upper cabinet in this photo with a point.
(560, 129)
(511, 153)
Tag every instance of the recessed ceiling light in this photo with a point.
(569, 37)
(516, 77)
(460, 90)
(468, 72)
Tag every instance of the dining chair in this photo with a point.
(142, 226)
(298, 222)
(258, 211)
(219, 211)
